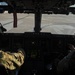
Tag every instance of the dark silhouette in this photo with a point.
(67, 64)
(2, 29)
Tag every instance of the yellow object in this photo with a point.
(8, 59)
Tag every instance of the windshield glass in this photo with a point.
(52, 23)
(59, 24)
(55, 24)
(3, 3)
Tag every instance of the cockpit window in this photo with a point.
(58, 24)
(3, 4)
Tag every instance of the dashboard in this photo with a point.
(43, 50)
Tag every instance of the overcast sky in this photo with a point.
(3, 3)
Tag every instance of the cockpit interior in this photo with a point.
(43, 49)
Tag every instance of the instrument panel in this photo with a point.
(43, 50)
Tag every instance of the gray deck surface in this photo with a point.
(56, 24)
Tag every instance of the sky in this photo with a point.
(72, 5)
(3, 3)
